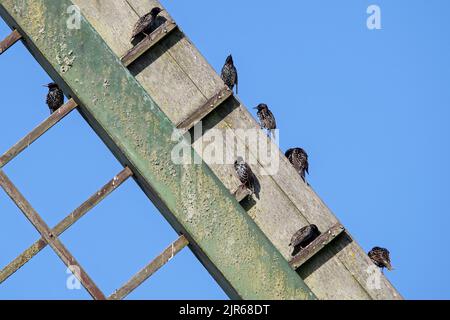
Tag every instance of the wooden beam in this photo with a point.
(204, 110)
(9, 41)
(321, 242)
(50, 237)
(151, 40)
(133, 126)
(73, 217)
(150, 269)
(24, 143)
(286, 203)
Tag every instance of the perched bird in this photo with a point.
(302, 238)
(381, 258)
(229, 74)
(55, 97)
(146, 24)
(299, 159)
(245, 174)
(266, 118)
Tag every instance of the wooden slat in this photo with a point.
(150, 269)
(317, 245)
(241, 193)
(77, 214)
(50, 237)
(37, 132)
(9, 41)
(150, 41)
(204, 110)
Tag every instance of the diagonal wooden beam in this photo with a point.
(37, 132)
(151, 40)
(50, 237)
(150, 269)
(9, 41)
(317, 245)
(77, 214)
(191, 197)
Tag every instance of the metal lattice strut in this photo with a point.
(73, 217)
(150, 269)
(49, 236)
(10, 41)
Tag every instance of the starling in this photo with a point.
(229, 74)
(302, 238)
(55, 97)
(146, 24)
(266, 118)
(245, 174)
(381, 258)
(299, 159)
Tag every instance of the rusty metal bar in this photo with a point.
(77, 214)
(150, 269)
(37, 132)
(317, 245)
(9, 41)
(50, 237)
(151, 40)
(203, 111)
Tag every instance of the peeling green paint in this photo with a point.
(134, 124)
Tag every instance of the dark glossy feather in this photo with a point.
(146, 24)
(229, 74)
(245, 174)
(381, 257)
(55, 97)
(302, 238)
(299, 159)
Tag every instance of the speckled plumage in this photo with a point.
(302, 238)
(146, 24)
(266, 118)
(245, 174)
(229, 74)
(381, 257)
(299, 159)
(55, 97)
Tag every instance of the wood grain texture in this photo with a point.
(180, 80)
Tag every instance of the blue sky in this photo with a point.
(370, 107)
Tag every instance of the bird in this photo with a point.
(302, 238)
(266, 118)
(55, 97)
(146, 24)
(381, 258)
(299, 159)
(245, 175)
(229, 74)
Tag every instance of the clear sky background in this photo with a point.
(371, 108)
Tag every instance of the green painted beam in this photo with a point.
(191, 197)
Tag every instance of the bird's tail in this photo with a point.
(273, 134)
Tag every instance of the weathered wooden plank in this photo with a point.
(146, 44)
(76, 215)
(9, 41)
(37, 132)
(191, 197)
(150, 269)
(317, 245)
(50, 237)
(278, 213)
(203, 111)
